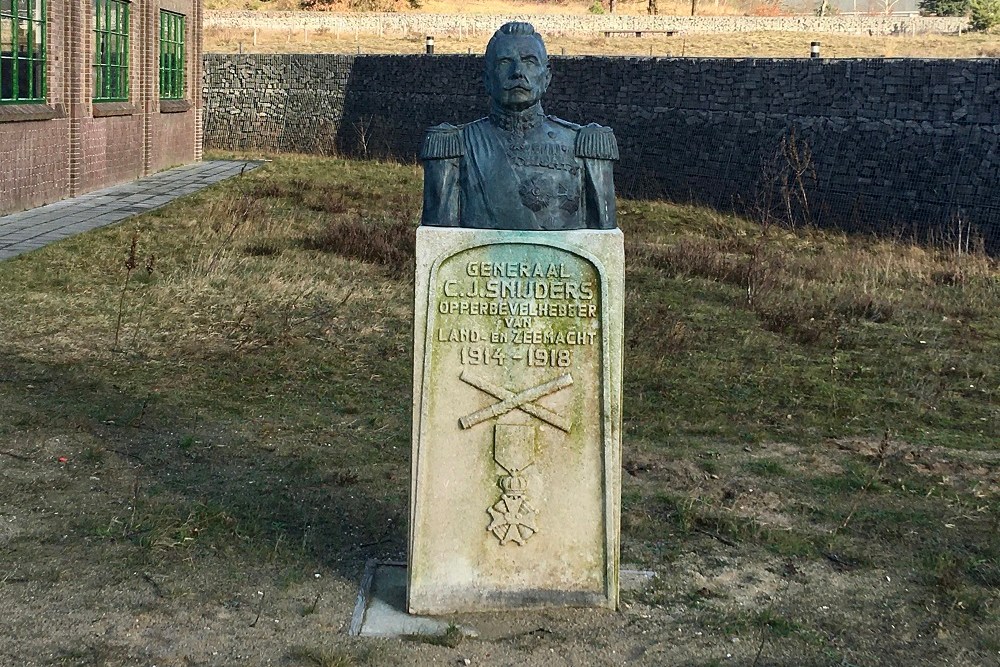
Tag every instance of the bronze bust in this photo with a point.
(518, 168)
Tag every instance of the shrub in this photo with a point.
(944, 7)
(985, 14)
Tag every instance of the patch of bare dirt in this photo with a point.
(71, 597)
(967, 470)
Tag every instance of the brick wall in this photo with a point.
(111, 151)
(33, 162)
(172, 138)
(907, 146)
(70, 144)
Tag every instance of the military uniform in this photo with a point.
(519, 170)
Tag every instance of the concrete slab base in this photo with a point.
(380, 610)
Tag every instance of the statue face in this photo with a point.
(517, 72)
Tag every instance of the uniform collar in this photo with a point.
(514, 121)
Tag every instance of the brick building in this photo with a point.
(95, 92)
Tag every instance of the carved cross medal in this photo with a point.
(513, 517)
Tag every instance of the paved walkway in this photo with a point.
(34, 228)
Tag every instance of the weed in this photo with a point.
(262, 249)
(318, 657)
(310, 609)
(880, 458)
(131, 261)
(711, 467)
(93, 455)
(767, 468)
(229, 215)
(387, 243)
(166, 527)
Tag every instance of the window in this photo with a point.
(22, 51)
(111, 53)
(171, 55)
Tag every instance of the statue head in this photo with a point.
(517, 67)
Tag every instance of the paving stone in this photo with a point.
(29, 230)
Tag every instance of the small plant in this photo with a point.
(767, 468)
(131, 262)
(363, 129)
(317, 657)
(389, 243)
(238, 211)
(596, 8)
(799, 172)
(786, 178)
(93, 455)
(262, 249)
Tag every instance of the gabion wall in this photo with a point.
(892, 146)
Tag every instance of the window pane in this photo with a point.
(110, 49)
(6, 37)
(6, 6)
(6, 78)
(171, 55)
(38, 11)
(23, 39)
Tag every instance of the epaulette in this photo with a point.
(442, 141)
(596, 141)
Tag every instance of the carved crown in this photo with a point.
(514, 485)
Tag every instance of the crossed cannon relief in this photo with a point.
(513, 517)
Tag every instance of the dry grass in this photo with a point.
(810, 429)
(572, 7)
(744, 45)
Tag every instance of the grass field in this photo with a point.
(577, 7)
(729, 45)
(204, 432)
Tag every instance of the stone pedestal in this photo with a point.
(516, 463)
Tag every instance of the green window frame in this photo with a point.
(22, 51)
(171, 55)
(111, 47)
